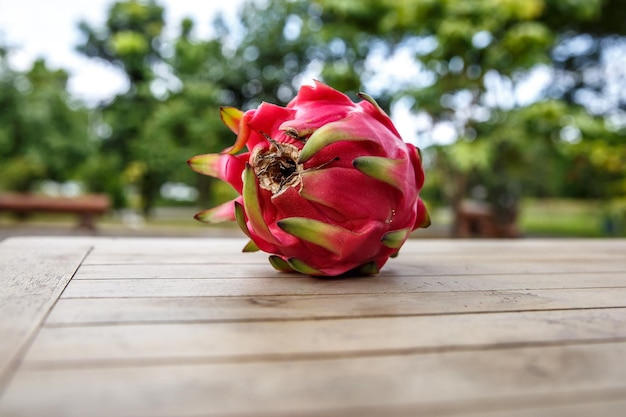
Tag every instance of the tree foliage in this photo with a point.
(463, 65)
(475, 58)
(171, 109)
(43, 134)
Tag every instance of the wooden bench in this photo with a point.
(477, 219)
(87, 207)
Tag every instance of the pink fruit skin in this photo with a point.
(329, 182)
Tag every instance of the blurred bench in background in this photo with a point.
(86, 207)
(477, 219)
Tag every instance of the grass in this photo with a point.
(167, 221)
(565, 218)
(553, 218)
(538, 218)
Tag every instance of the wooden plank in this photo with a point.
(543, 407)
(384, 283)
(58, 346)
(176, 271)
(206, 330)
(172, 251)
(32, 275)
(481, 247)
(517, 247)
(82, 311)
(231, 257)
(210, 250)
(432, 266)
(510, 378)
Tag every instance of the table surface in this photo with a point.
(193, 327)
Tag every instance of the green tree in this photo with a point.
(257, 58)
(171, 110)
(130, 40)
(473, 56)
(43, 134)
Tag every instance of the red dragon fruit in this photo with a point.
(327, 186)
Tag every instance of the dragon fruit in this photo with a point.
(327, 186)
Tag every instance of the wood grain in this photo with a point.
(511, 378)
(227, 251)
(193, 327)
(432, 266)
(67, 346)
(86, 311)
(32, 275)
(301, 285)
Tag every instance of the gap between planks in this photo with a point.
(205, 251)
(354, 336)
(300, 285)
(32, 276)
(427, 268)
(93, 311)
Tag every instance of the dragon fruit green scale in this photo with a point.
(327, 186)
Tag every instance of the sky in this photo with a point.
(48, 29)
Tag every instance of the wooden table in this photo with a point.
(192, 327)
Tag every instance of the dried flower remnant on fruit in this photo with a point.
(277, 167)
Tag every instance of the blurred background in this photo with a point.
(519, 106)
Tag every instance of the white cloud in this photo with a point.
(49, 29)
(96, 81)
